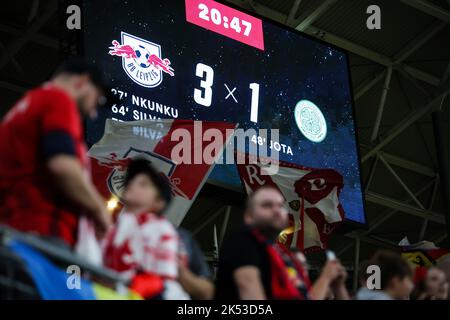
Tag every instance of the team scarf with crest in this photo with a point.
(284, 286)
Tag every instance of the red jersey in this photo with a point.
(29, 199)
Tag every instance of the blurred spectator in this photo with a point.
(444, 265)
(252, 266)
(144, 245)
(363, 275)
(431, 284)
(395, 278)
(331, 283)
(44, 184)
(195, 277)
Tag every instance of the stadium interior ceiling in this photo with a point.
(400, 74)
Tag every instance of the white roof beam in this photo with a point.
(419, 41)
(14, 62)
(17, 44)
(37, 38)
(429, 8)
(314, 15)
(403, 125)
(408, 164)
(382, 103)
(401, 182)
(401, 56)
(340, 42)
(293, 11)
(368, 84)
(365, 234)
(389, 213)
(370, 54)
(12, 87)
(405, 208)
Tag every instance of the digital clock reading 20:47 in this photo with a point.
(203, 96)
(226, 21)
(216, 17)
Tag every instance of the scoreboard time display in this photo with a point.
(203, 60)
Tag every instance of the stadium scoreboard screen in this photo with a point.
(203, 60)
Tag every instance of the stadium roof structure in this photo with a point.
(400, 74)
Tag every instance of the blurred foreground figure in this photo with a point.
(395, 278)
(44, 183)
(430, 284)
(444, 265)
(143, 245)
(252, 266)
(195, 277)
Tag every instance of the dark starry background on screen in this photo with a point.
(291, 68)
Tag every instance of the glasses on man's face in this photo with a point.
(274, 205)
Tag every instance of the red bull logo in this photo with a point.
(141, 60)
(113, 162)
(124, 51)
(164, 65)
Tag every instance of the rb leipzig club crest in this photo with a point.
(141, 60)
(119, 165)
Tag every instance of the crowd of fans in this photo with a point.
(44, 189)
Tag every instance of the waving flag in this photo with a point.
(423, 253)
(158, 141)
(312, 196)
(52, 281)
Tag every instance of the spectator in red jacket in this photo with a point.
(44, 177)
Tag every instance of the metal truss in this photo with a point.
(18, 43)
(305, 22)
(429, 8)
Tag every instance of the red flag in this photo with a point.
(154, 140)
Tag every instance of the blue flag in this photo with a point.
(50, 281)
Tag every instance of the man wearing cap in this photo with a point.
(44, 176)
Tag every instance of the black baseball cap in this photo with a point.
(82, 66)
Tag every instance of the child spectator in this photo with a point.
(144, 245)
